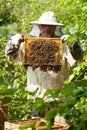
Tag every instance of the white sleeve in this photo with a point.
(14, 52)
(68, 55)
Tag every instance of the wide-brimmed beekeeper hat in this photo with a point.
(48, 18)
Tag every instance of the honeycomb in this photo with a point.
(45, 53)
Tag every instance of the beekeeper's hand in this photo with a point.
(64, 37)
(13, 43)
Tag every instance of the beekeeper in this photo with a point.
(46, 26)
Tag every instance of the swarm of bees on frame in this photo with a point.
(44, 54)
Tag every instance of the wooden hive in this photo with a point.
(26, 125)
(3, 112)
(45, 53)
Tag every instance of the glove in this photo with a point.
(64, 38)
(14, 43)
(77, 51)
(17, 39)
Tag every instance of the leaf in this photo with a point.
(48, 92)
(83, 1)
(42, 124)
(7, 91)
(25, 94)
(33, 93)
(73, 30)
(51, 114)
(50, 124)
(85, 56)
(82, 83)
(67, 90)
(52, 93)
(84, 116)
(32, 126)
(39, 103)
(84, 8)
(71, 77)
(5, 100)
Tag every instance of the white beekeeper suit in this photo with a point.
(37, 78)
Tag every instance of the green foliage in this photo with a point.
(6, 95)
(10, 75)
(5, 99)
(76, 107)
(20, 106)
(50, 117)
(5, 76)
(76, 90)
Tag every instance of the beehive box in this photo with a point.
(45, 53)
(3, 115)
(26, 125)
